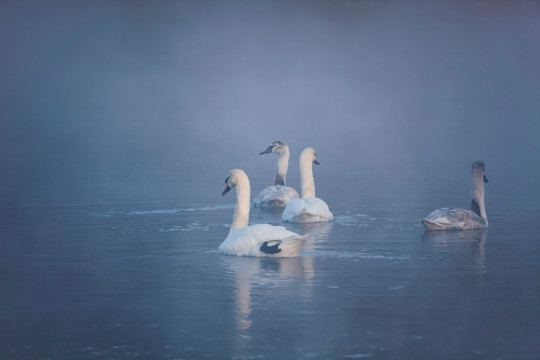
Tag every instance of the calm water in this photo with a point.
(143, 280)
(119, 121)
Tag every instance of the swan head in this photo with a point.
(310, 155)
(478, 169)
(276, 147)
(232, 179)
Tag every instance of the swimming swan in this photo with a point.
(260, 239)
(277, 195)
(309, 208)
(460, 219)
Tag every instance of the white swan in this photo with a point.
(260, 239)
(277, 195)
(461, 219)
(309, 208)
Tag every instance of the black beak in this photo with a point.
(268, 150)
(485, 179)
(227, 188)
(316, 162)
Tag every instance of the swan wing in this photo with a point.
(453, 219)
(263, 240)
(275, 196)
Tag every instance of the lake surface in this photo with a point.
(141, 278)
(120, 119)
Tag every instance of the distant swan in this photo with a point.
(460, 219)
(277, 195)
(309, 208)
(260, 239)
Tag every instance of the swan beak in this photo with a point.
(268, 150)
(485, 179)
(227, 188)
(316, 162)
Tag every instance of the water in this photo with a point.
(120, 120)
(142, 279)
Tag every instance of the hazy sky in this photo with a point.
(96, 90)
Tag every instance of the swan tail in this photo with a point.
(303, 216)
(431, 225)
(291, 247)
(434, 225)
(270, 202)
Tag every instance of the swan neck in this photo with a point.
(306, 176)
(282, 166)
(477, 195)
(241, 210)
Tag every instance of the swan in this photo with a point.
(277, 195)
(309, 208)
(461, 219)
(260, 239)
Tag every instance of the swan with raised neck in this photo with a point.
(308, 157)
(259, 239)
(278, 195)
(282, 149)
(478, 175)
(309, 208)
(238, 178)
(461, 219)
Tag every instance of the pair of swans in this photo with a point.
(301, 210)
(265, 239)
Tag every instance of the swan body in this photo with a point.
(263, 240)
(277, 195)
(461, 219)
(309, 208)
(307, 211)
(453, 219)
(260, 239)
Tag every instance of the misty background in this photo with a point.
(125, 101)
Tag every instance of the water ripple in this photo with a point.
(352, 255)
(114, 212)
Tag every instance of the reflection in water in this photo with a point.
(476, 239)
(318, 232)
(252, 273)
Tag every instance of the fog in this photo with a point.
(119, 121)
(135, 94)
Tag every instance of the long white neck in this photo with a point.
(477, 195)
(241, 211)
(306, 176)
(282, 166)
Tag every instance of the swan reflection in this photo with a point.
(318, 232)
(255, 276)
(475, 238)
